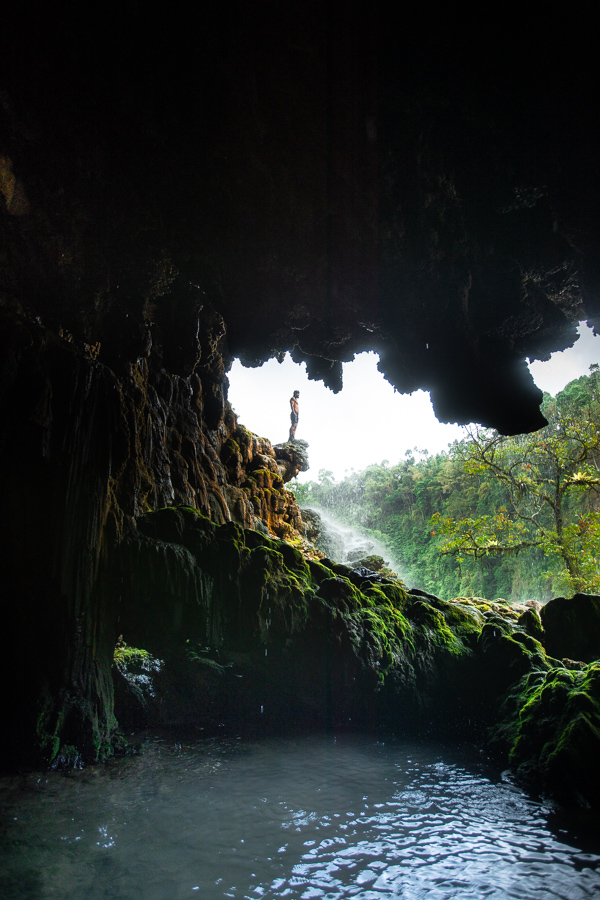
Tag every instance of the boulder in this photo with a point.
(572, 627)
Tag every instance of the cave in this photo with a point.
(315, 178)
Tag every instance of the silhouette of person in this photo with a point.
(294, 414)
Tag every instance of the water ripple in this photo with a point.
(299, 818)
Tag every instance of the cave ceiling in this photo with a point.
(332, 177)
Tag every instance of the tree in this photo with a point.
(550, 485)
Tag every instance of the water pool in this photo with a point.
(297, 817)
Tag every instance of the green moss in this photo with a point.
(530, 643)
(462, 620)
(500, 608)
(264, 478)
(78, 730)
(243, 436)
(318, 571)
(254, 539)
(340, 594)
(69, 757)
(552, 731)
(383, 646)
(339, 569)
(374, 594)
(395, 592)
(200, 656)
(278, 593)
(376, 640)
(432, 621)
(230, 449)
(530, 621)
(48, 743)
(398, 629)
(126, 657)
(295, 561)
(177, 524)
(231, 531)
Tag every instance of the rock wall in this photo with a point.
(87, 450)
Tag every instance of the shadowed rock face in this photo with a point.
(332, 180)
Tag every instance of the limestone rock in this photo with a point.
(551, 730)
(572, 627)
(90, 449)
(292, 458)
(530, 621)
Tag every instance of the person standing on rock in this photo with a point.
(294, 414)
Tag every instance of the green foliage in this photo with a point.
(550, 484)
(126, 657)
(515, 517)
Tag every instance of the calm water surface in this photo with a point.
(310, 817)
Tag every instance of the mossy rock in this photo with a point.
(531, 623)
(319, 572)
(294, 560)
(265, 479)
(230, 450)
(396, 592)
(172, 523)
(231, 531)
(432, 622)
(243, 436)
(489, 608)
(337, 568)
(555, 742)
(131, 659)
(340, 594)
(375, 563)
(506, 656)
(385, 649)
(572, 627)
(255, 539)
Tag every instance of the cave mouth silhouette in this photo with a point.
(367, 421)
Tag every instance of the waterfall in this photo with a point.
(344, 543)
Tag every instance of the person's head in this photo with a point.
(296, 393)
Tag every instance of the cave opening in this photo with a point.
(368, 421)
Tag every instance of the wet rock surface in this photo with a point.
(89, 449)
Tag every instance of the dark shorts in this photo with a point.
(294, 418)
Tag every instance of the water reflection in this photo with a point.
(310, 817)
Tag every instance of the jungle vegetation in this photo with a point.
(514, 517)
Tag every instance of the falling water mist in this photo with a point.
(348, 544)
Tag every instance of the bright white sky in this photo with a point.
(368, 421)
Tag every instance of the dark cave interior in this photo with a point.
(331, 178)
